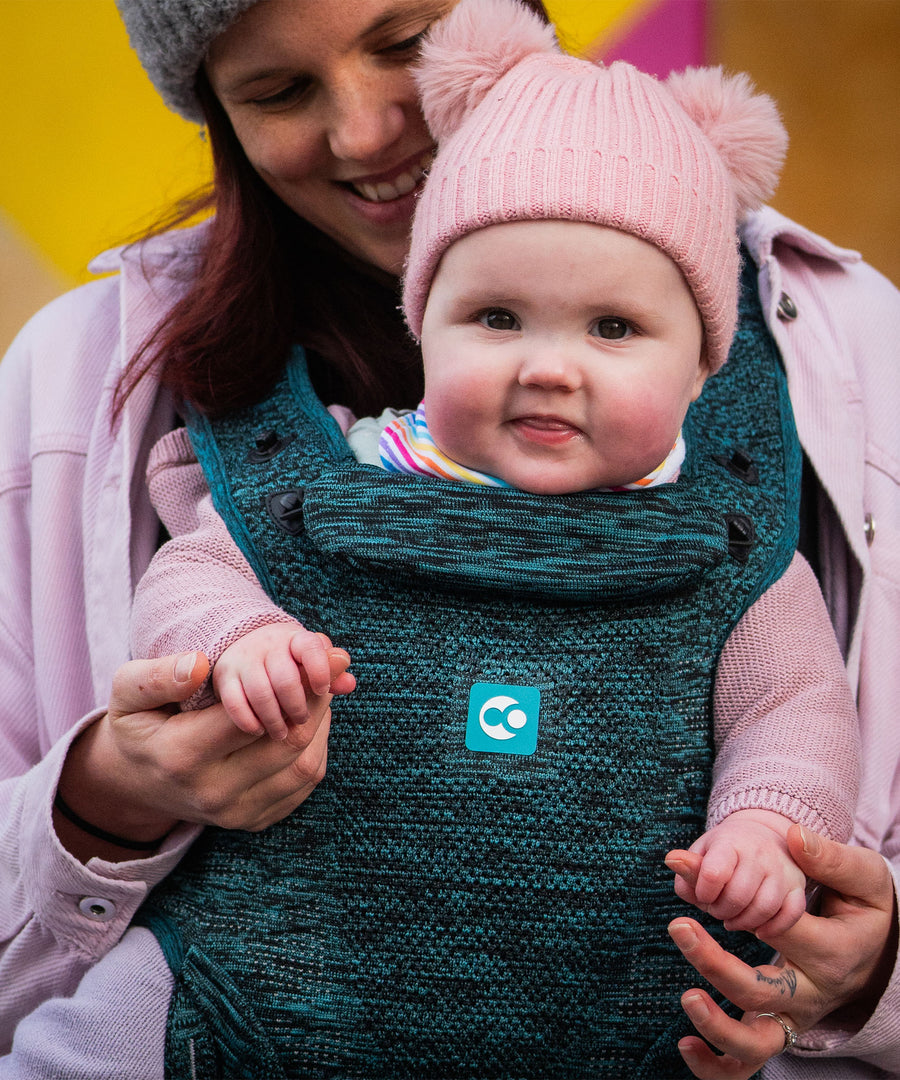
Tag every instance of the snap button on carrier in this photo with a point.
(268, 444)
(286, 507)
(739, 464)
(741, 536)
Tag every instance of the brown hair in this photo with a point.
(266, 280)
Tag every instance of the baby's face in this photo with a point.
(559, 356)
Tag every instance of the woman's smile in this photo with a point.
(323, 101)
(394, 183)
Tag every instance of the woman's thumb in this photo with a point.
(844, 868)
(190, 668)
(152, 684)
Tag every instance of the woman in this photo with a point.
(316, 146)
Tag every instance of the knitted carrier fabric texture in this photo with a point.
(477, 888)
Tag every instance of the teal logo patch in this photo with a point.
(503, 719)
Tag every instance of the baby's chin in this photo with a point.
(553, 480)
(552, 485)
(558, 477)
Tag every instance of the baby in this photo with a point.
(568, 317)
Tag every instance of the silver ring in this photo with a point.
(790, 1036)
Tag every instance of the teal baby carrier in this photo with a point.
(477, 888)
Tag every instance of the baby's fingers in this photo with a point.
(240, 712)
(748, 900)
(716, 871)
(287, 686)
(787, 915)
(264, 702)
(311, 652)
(686, 866)
(243, 717)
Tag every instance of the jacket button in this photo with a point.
(97, 909)
(787, 309)
(266, 441)
(869, 527)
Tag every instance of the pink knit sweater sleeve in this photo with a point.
(786, 730)
(199, 591)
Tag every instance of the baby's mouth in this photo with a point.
(548, 423)
(396, 188)
(546, 430)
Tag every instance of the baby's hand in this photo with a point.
(274, 675)
(743, 874)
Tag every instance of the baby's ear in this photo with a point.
(703, 373)
(469, 51)
(743, 126)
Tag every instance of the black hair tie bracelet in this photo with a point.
(101, 834)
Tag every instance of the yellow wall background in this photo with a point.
(833, 66)
(89, 156)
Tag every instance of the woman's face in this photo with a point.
(321, 97)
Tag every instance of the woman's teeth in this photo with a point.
(399, 186)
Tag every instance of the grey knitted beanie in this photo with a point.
(171, 38)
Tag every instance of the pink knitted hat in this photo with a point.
(526, 132)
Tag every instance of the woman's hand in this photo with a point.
(838, 961)
(144, 767)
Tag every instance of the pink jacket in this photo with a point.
(78, 531)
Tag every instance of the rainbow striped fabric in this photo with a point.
(406, 446)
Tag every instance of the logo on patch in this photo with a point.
(503, 719)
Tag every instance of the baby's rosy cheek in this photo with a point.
(646, 427)
(451, 420)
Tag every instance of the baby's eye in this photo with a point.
(611, 329)
(498, 319)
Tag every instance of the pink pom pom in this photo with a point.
(469, 51)
(743, 126)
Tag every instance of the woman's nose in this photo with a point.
(367, 117)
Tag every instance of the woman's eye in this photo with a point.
(498, 319)
(293, 92)
(407, 45)
(612, 329)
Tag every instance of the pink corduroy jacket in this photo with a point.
(77, 531)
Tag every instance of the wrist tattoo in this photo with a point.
(785, 983)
